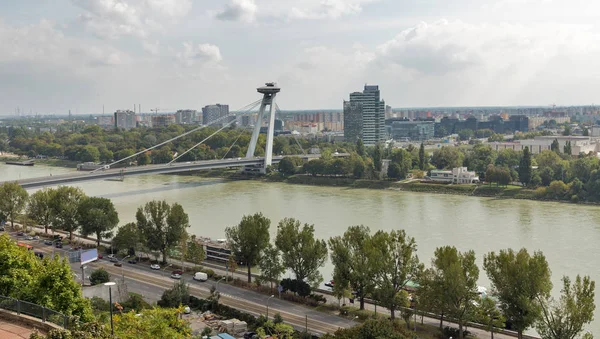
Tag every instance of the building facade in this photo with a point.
(124, 119)
(364, 116)
(163, 120)
(458, 175)
(186, 117)
(403, 130)
(579, 144)
(212, 113)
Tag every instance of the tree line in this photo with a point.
(381, 265)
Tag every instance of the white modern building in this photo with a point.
(125, 119)
(579, 144)
(458, 175)
(364, 116)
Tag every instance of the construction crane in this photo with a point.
(156, 110)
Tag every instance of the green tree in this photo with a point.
(64, 208)
(162, 225)
(447, 157)
(465, 134)
(565, 318)
(271, 267)
(496, 138)
(422, 160)
(248, 239)
(286, 166)
(402, 158)
(124, 153)
(39, 209)
(455, 274)
(395, 172)
(354, 257)
(300, 251)
(377, 158)
(397, 265)
(176, 296)
(195, 251)
(106, 155)
(525, 167)
(99, 276)
(89, 153)
(567, 130)
(555, 146)
(489, 315)
(479, 158)
(520, 281)
(14, 198)
(508, 158)
(567, 148)
(360, 148)
(97, 216)
(144, 159)
(128, 237)
(586, 132)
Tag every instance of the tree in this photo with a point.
(403, 161)
(89, 153)
(128, 237)
(489, 315)
(271, 267)
(14, 198)
(422, 159)
(144, 159)
(525, 167)
(97, 216)
(377, 158)
(586, 132)
(465, 134)
(195, 251)
(520, 281)
(455, 274)
(286, 166)
(39, 207)
(447, 157)
(555, 146)
(567, 130)
(395, 172)
(176, 296)
(64, 208)
(300, 251)
(99, 276)
(397, 265)
(248, 239)
(353, 258)
(567, 148)
(565, 318)
(162, 225)
(360, 147)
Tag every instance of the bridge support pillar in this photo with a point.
(269, 92)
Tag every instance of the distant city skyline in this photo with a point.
(81, 54)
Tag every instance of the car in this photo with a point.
(110, 256)
(155, 267)
(330, 284)
(1, 228)
(37, 237)
(100, 256)
(76, 248)
(175, 276)
(250, 335)
(20, 234)
(57, 237)
(132, 261)
(28, 237)
(113, 259)
(118, 264)
(58, 245)
(48, 242)
(200, 276)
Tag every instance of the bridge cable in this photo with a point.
(254, 104)
(236, 139)
(210, 136)
(293, 135)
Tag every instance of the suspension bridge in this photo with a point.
(249, 164)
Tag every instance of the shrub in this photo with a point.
(277, 319)
(178, 295)
(99, 276)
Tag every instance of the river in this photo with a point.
(568, 234)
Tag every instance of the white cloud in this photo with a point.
(327, 9)
(111, 19)
(238, 10)
(151, 47)
(203, 54)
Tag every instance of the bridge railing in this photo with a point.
(37, 311)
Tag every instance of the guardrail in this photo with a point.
(37, 311)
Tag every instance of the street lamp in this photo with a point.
(268, 306)
(217, 284)
(110, 284)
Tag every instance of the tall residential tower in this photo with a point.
(364, 116)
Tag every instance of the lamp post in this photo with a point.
(110, 284)
(217, 284)
(268, 306)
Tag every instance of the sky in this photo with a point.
(83, 55)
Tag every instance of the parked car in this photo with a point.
(176, 274)
(1, 228)
(28, 237)
(155, 267)
(37, 237)
(251, 335)
(48, 242)
(132, 261)
(113, 259)
(59, 245)
(76, 248)
(118, 264)
(200, 276)
(20, 234)
(100, 256)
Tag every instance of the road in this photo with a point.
(150, 284)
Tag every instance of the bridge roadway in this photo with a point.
(150, 169)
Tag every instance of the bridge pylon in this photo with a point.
(269, 92)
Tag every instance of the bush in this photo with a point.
(135, 302)
(99, 276)
(297, 286)
(178, 295)
(453, 332)
(277, 319)
(210, 273)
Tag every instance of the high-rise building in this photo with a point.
(211, 113)
(185, 116)
(163, 120)
(125, 119)
(364, 116)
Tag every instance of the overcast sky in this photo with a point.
(57, 55)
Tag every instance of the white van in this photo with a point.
(200, 276)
